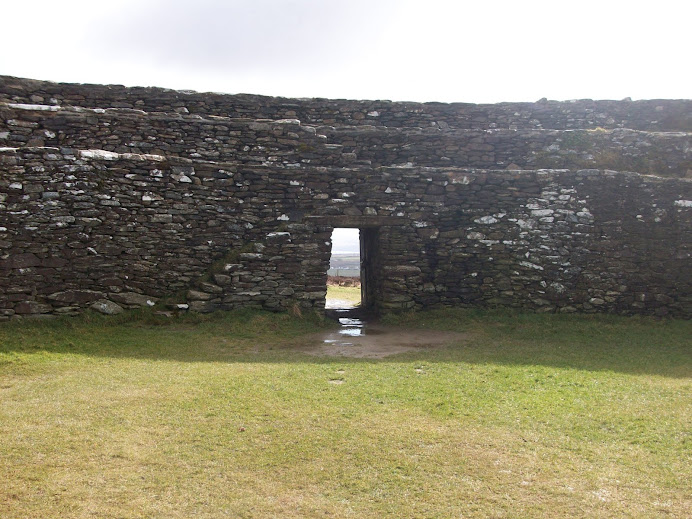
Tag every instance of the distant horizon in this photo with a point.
(345, 241)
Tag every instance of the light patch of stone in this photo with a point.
(530, 265)
(486, 220)
(107, 307)
(40, 108)
(542, 212)
(99, 155)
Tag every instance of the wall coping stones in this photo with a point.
(674, 114)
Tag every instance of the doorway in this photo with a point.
(344, 274)
(354, 279)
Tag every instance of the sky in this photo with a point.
(345, 241)
(403, 50)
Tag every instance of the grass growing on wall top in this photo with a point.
(212, 416)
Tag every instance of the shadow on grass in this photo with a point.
(635, 345)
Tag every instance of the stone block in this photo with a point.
(210, 288)
(133, 299)
(32, 307)
(222, 280)
(203, 306)
(107, 307)
(196, 295)
(76, 296)
(21, 261)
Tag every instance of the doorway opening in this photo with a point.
(354, 279)
(344, 275)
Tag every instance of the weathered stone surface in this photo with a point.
(232, 201)
(107, 307)
(203, 306)
(21, 261)
(133, 299)
(32, 307)
(196, 295)
(210, 288)
(222, 279)
(76, 296)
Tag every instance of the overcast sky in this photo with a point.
(346, 241)
(430, 50)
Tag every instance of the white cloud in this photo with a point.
(395, 49)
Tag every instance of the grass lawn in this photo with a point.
(222, 416)
(343, 297)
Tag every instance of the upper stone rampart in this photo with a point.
(648, 115)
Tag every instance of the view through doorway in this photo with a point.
(343, 276)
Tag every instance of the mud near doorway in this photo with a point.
(358, 338)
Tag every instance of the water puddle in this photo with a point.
(364, 339)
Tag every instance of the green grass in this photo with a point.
(221, 416)
(348, 294)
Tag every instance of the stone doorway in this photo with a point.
(345, 266)
(364, 264)
(360, 298)
(372, 255)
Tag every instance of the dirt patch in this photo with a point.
(375, 341)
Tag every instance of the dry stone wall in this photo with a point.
(105, 204)
(289, 143)
(648, 115)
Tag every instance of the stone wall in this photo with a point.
(650, 115)
(112, 207)
(289, 143)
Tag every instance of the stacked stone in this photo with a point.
(646, 115)
(114, 198)
(288, 143)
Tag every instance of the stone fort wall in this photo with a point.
(114, 197)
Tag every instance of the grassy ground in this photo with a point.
(532, 416)
(348, 296)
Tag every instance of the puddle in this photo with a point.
(371, 340)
